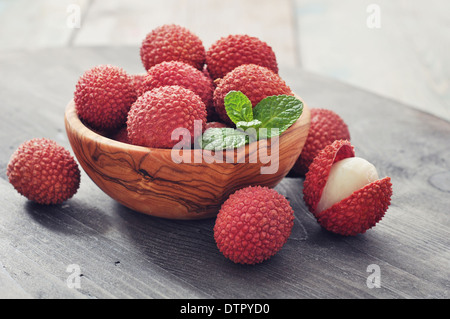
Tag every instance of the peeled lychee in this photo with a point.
(345, 177)
(344, 192)
(253, 224)
(182, 74)
(325, 128)
(43, 171)
(172, 42)
(256, 82)
(157, 113)
(103, 97)
(232, 51)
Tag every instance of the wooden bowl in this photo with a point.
(147, 180)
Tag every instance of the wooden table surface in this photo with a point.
(93, 247)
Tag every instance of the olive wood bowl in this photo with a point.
(147, 180)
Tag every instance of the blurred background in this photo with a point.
(395, 48)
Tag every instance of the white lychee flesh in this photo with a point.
(346, 176)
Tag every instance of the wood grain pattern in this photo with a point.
(149, 181)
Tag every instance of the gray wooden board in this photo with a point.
(124, 254)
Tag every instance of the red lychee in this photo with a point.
(157, 113)
(325, 128)
(172, 42)
(256, 82)
(253, 224)
(43, 171)
(182, 74)
(343, 192)
(206, 73)
(103, 97)
(138, 80)
(232, 51)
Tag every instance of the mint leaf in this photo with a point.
(277, 112)
(215, 139)
(270, 117)
(238, 107)
(245, 125)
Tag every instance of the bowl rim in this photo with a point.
(72, 118)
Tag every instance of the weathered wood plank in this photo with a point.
(13, 291)
(124, 254)
(404, 59)
(38, 24)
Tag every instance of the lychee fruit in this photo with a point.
(172, 42)
(138, 80)
(344, 192)
(43, 171)
(253, 224)
(103, 97)
(326, 127)
(206, 73)
(255, 81)
(232, 51)
(182, 74)
(156, 114)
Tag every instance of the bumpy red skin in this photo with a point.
(157, 113)
(103, 97)
(326, 127)
(229, 52)
(253, 225)
(256, 82)
(358, 212)
(172, 42)
(138, 80)
(206, 73)
(182, 74)
(44, 172)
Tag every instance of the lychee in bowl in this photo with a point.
(149, 181)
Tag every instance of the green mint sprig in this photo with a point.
(270, 117)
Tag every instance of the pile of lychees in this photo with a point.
(185, 84)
